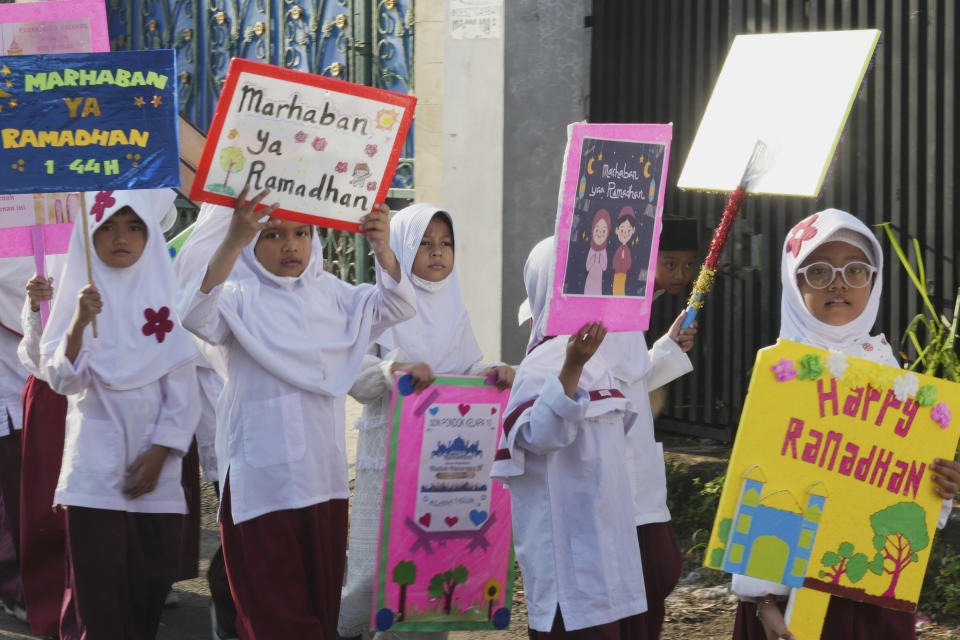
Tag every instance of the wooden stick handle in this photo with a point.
(86, 249)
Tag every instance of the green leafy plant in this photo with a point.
(941, 586)
(931, 334)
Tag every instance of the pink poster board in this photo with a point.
(445, 559)
(608, 226)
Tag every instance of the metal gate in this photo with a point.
(656, 61)
(364, 41)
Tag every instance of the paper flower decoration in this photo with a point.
(158, 323)
(906, 386)
(341, 167)
(811, 367)
(941, 415)
(784, 370)
(855, 376)
(927, 395)
(319, 144)
(837, 363)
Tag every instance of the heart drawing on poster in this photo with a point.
(477, 516)
(433, 410)
(493, 410)
(425, 520)
(451, 520)
(463, 408)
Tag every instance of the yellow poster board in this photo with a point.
(829, 485)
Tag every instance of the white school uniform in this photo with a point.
(129, 388)
(799, 325)
(563, 460)
(294, 346)
(12, 378)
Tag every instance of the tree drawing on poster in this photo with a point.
(613, 220)
(829, 487)
(445, 537)
(327, 149)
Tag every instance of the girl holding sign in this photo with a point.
(295, 338)
(562, 455)
(130, 417)
(437, 341)
(832, 277)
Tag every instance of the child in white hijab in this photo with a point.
(437, 341)
(562, 454)
(295, 337)
(131, 415)
(832, 278)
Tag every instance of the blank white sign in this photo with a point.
(793, 92)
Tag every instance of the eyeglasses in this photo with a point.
(820, 275)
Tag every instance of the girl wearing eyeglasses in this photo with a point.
(831, 272)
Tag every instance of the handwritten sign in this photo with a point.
(327, 149)
(764, 93)
(88, 121)
(445, 559)
(829, 485)
(608, 226)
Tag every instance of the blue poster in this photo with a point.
(88, 122)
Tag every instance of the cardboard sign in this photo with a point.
(327, 149)
(829, 485)
(92, 121)
(445, 557)
(791, 91)
(608, 226)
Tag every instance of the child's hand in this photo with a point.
(420, 372)
(580, 347)
(375, 226)
(245, 223)
(38, 290)
(141, 477)
(773, 623)
(947, 478)
(504, 373)
(89, 306)
(683, 337)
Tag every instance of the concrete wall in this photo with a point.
(547, 69)
(491, 130)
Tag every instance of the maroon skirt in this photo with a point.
(10, 447)
(189, 564)
(662, 564)
(42, 537)
(286, 569)
(845, 620)
(631, 628)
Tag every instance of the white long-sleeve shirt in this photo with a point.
(12, 378)
(573, 526)
(645, 463)
(283, 447)
(106, 429)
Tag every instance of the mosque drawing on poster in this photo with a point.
(771, 536)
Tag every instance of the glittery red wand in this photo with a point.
(709, 267)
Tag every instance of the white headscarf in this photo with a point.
(140, 337)
(311, 330)
(440, 334)
(191, 263)
(796, 321)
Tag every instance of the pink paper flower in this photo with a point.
(341, 167)
(941, 415)
(371, 150)
(300, 136)
(784, 370)
(103, 201)
(371, 186)
(319, 144)
(158, 323)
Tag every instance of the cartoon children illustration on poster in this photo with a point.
(614, 218)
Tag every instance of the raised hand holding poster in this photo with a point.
(608, 226)
(445, 559)
(829, 485)
(327, 149)
(90, 121)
